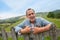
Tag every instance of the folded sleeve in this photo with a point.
(19, 27)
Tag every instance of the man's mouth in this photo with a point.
(32, 17)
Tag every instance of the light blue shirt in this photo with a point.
(39, 22)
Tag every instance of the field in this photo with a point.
(55, 21)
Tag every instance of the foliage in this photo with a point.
(54, 14)
(50, 15)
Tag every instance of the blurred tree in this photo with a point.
(50, 15)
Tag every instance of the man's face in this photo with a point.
(31, 15)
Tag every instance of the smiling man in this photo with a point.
(32, 23)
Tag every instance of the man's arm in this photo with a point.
(45, 26)
(19, 27)
(22, 28)
(41, 29)
(25, 30)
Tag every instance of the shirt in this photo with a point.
(39, 22)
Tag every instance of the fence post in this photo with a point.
(52, 32)
(26, 36)
(13, 33)
(4, 34)
(38, 36)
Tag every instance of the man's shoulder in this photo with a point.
(26, 21)
(38, 18)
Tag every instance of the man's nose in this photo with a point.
(31, 15)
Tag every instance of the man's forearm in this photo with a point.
(25, 30)
(46, 28)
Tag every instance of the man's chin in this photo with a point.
(32, 20)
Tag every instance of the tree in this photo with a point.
(50, 15)
(58, 15)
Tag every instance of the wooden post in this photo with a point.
(52, 33)
(13, 33)
(26, 36)
(4, 34)
(38, 37)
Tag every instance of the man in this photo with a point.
(37, 25)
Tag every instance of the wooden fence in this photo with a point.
(52, 33)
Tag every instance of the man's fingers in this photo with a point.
(27, 27)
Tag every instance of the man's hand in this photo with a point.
(41, 29)
(25, 30)
(36, 30)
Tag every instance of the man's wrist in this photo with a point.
(19, 33)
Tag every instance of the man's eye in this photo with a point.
(29, 14)
(32, 13)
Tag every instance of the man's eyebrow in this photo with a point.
(29, 14)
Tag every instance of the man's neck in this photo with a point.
(32, 22)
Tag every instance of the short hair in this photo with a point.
(29, 9)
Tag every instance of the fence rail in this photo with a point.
(52, 33)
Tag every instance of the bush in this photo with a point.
(50, 15)
(53, 15)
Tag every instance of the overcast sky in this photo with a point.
(12, 8)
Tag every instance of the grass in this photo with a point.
(9, 38)
(0, 38)
(58, 38)
(47, 38)
(21, 38)
(13, 25)
(55, 21)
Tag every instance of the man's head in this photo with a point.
(30, 13)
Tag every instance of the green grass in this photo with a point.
(13, 25)
(55, 21)
(58, 38)
(47, 38)
(0, 38)
(21, 38)
(10, 38)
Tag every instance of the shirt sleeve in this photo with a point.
(45, 22)
(19, 27)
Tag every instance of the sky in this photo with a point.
(12, 8)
